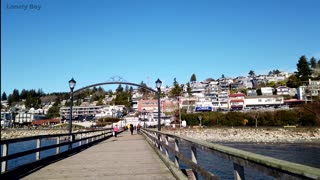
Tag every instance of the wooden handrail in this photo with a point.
(94, 135)
(266, 165)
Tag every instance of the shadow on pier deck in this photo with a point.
(125, 157)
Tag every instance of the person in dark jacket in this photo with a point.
(131, 129)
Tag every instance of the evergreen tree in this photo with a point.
(189, 89)
(276, 72)
(193, 78)
(141, 89)
(318, 63)
(251, 73)
(23, 94)
(15, 95)
(313, 62)
(176, 90)
(4, 96)
(304, 71)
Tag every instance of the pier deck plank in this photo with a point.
(125, 157)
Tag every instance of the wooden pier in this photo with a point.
(125, 157)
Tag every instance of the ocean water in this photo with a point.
(306, 154)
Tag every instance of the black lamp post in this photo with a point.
(113, 112)
(158, 85)
(72, 84)
(144, 117)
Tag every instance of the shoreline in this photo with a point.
(251, 135)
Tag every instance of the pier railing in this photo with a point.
(62, 145)
(168, 147)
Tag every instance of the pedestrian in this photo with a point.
(115, 130)
(131, 129)
(138, 129)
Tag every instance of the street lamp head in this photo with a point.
(72, 83)
(158, 83)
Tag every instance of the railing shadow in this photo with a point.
(76, 143)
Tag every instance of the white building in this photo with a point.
(255, 101)
(267, 91)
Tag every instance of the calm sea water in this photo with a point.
(307, 154)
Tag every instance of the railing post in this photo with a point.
(58, 148)
(238, 172)
(194, 159)
(167, 143)
(176, 148)
(4, 164)
(38, 146)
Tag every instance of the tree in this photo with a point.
(53, 112)
(293, 81)
(313, 62)
(318, 63)
(176, 90)
(222, 76)
(15, 95)
(251, 73)
(276, 72)
(142, 90)
(193, 78)
(304, 71)
(4, 96)
(189, 89)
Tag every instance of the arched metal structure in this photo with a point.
(116, 82)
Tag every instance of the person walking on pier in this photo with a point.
(131, 129)
(115, 130)
(138, 129)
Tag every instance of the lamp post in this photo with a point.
(72, 84)
(200, 118)
(158, 85)
(113, 112)
(144, 117)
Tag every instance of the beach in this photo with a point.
(253, 135)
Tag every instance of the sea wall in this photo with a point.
(257, 135)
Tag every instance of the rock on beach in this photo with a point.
(18, 133)
(255, 135)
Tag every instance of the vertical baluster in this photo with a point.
(238, 171)
(38, 146)
(4, 164)
(176, 147)
(160, 140)
(155, 142)
(80, 142)
(87, 140)
(167, 143)
(194, 159)
(58, 148)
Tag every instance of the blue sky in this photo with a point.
(142, 40)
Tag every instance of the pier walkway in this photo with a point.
(125, 157)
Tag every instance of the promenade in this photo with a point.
(125, 157)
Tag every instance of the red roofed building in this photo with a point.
(236, 101)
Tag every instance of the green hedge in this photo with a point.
(274, 118)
